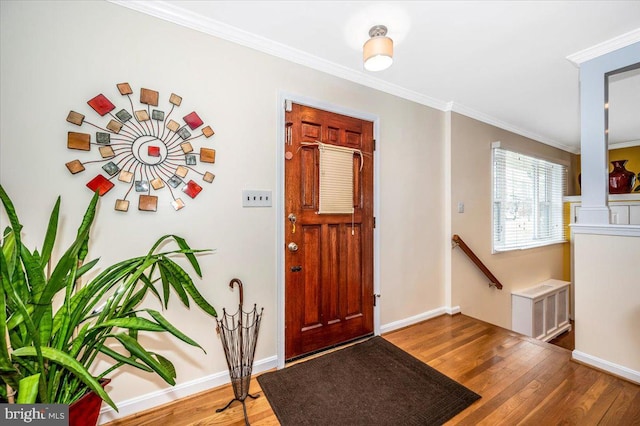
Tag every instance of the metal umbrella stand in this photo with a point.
(239, 334)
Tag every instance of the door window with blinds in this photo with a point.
(336, 178)
(527, 201)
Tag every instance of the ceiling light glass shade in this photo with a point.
(377, 52)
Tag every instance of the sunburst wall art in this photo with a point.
(145, 152)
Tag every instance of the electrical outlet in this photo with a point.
(255, 198)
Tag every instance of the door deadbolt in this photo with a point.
(293, 247)
(292, 218)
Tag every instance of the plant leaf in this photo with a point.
(34, 272)
(165, 277)
(78, 343)
(138, 351)
(11, 214)
(85, 225)
(172, 274)
(187, 283)
(46, 325)
(123, 359)
(182, 243)
(133, 323)
(168, 365)
(28, 389)
(171, 329)
(86, 266)
(9, 249)
(60, 275)
(50, 236)
(133, 301)
(70, 364)
(11, 294)
(8, 372)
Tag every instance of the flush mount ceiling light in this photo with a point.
(377, 52)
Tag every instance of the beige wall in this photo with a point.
(57, 55)
(410, 225)
(608, 300)
(471, 183)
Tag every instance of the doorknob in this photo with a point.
(293, 247)
(292, 218)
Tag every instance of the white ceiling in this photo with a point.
(502, 62)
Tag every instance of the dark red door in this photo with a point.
(329, 279)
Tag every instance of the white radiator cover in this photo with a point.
(542, 311)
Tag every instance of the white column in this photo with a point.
(594, 149)
(594, 180)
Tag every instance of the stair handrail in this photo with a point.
(458, 242)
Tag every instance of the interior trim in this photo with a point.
(605, 229)
(405, 322)
(609, 367)
(183, 17)
(480, 116)
(605, 47)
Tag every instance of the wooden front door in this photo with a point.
(329, 279)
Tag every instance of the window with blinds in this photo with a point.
(336, 179)
(527, 201)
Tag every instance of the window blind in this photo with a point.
(527, 201)
(336, 179)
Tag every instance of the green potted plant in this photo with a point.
(54, 325)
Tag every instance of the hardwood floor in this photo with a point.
(521, 381)
(567, 339)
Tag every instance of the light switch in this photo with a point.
(253, 198)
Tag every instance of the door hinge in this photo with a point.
(374, 144)
(374, 222)
(288, 105)
(375, 298)
(287, 132)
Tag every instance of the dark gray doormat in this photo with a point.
(371, 383)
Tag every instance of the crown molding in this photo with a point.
(624, 144)
(180, 16)
(485, 118)
(183, 17)
(605, 47)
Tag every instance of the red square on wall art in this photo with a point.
(100, 184)
(153, 151)
(191, 189)
(193, 120)
(101, 104)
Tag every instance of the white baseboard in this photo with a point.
(419, 318)
(452, 310)
(607, 366)
(154, 399)
(182, 390)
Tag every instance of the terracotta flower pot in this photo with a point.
(621, 180)
(86, 410)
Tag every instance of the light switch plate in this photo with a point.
(256, 198)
